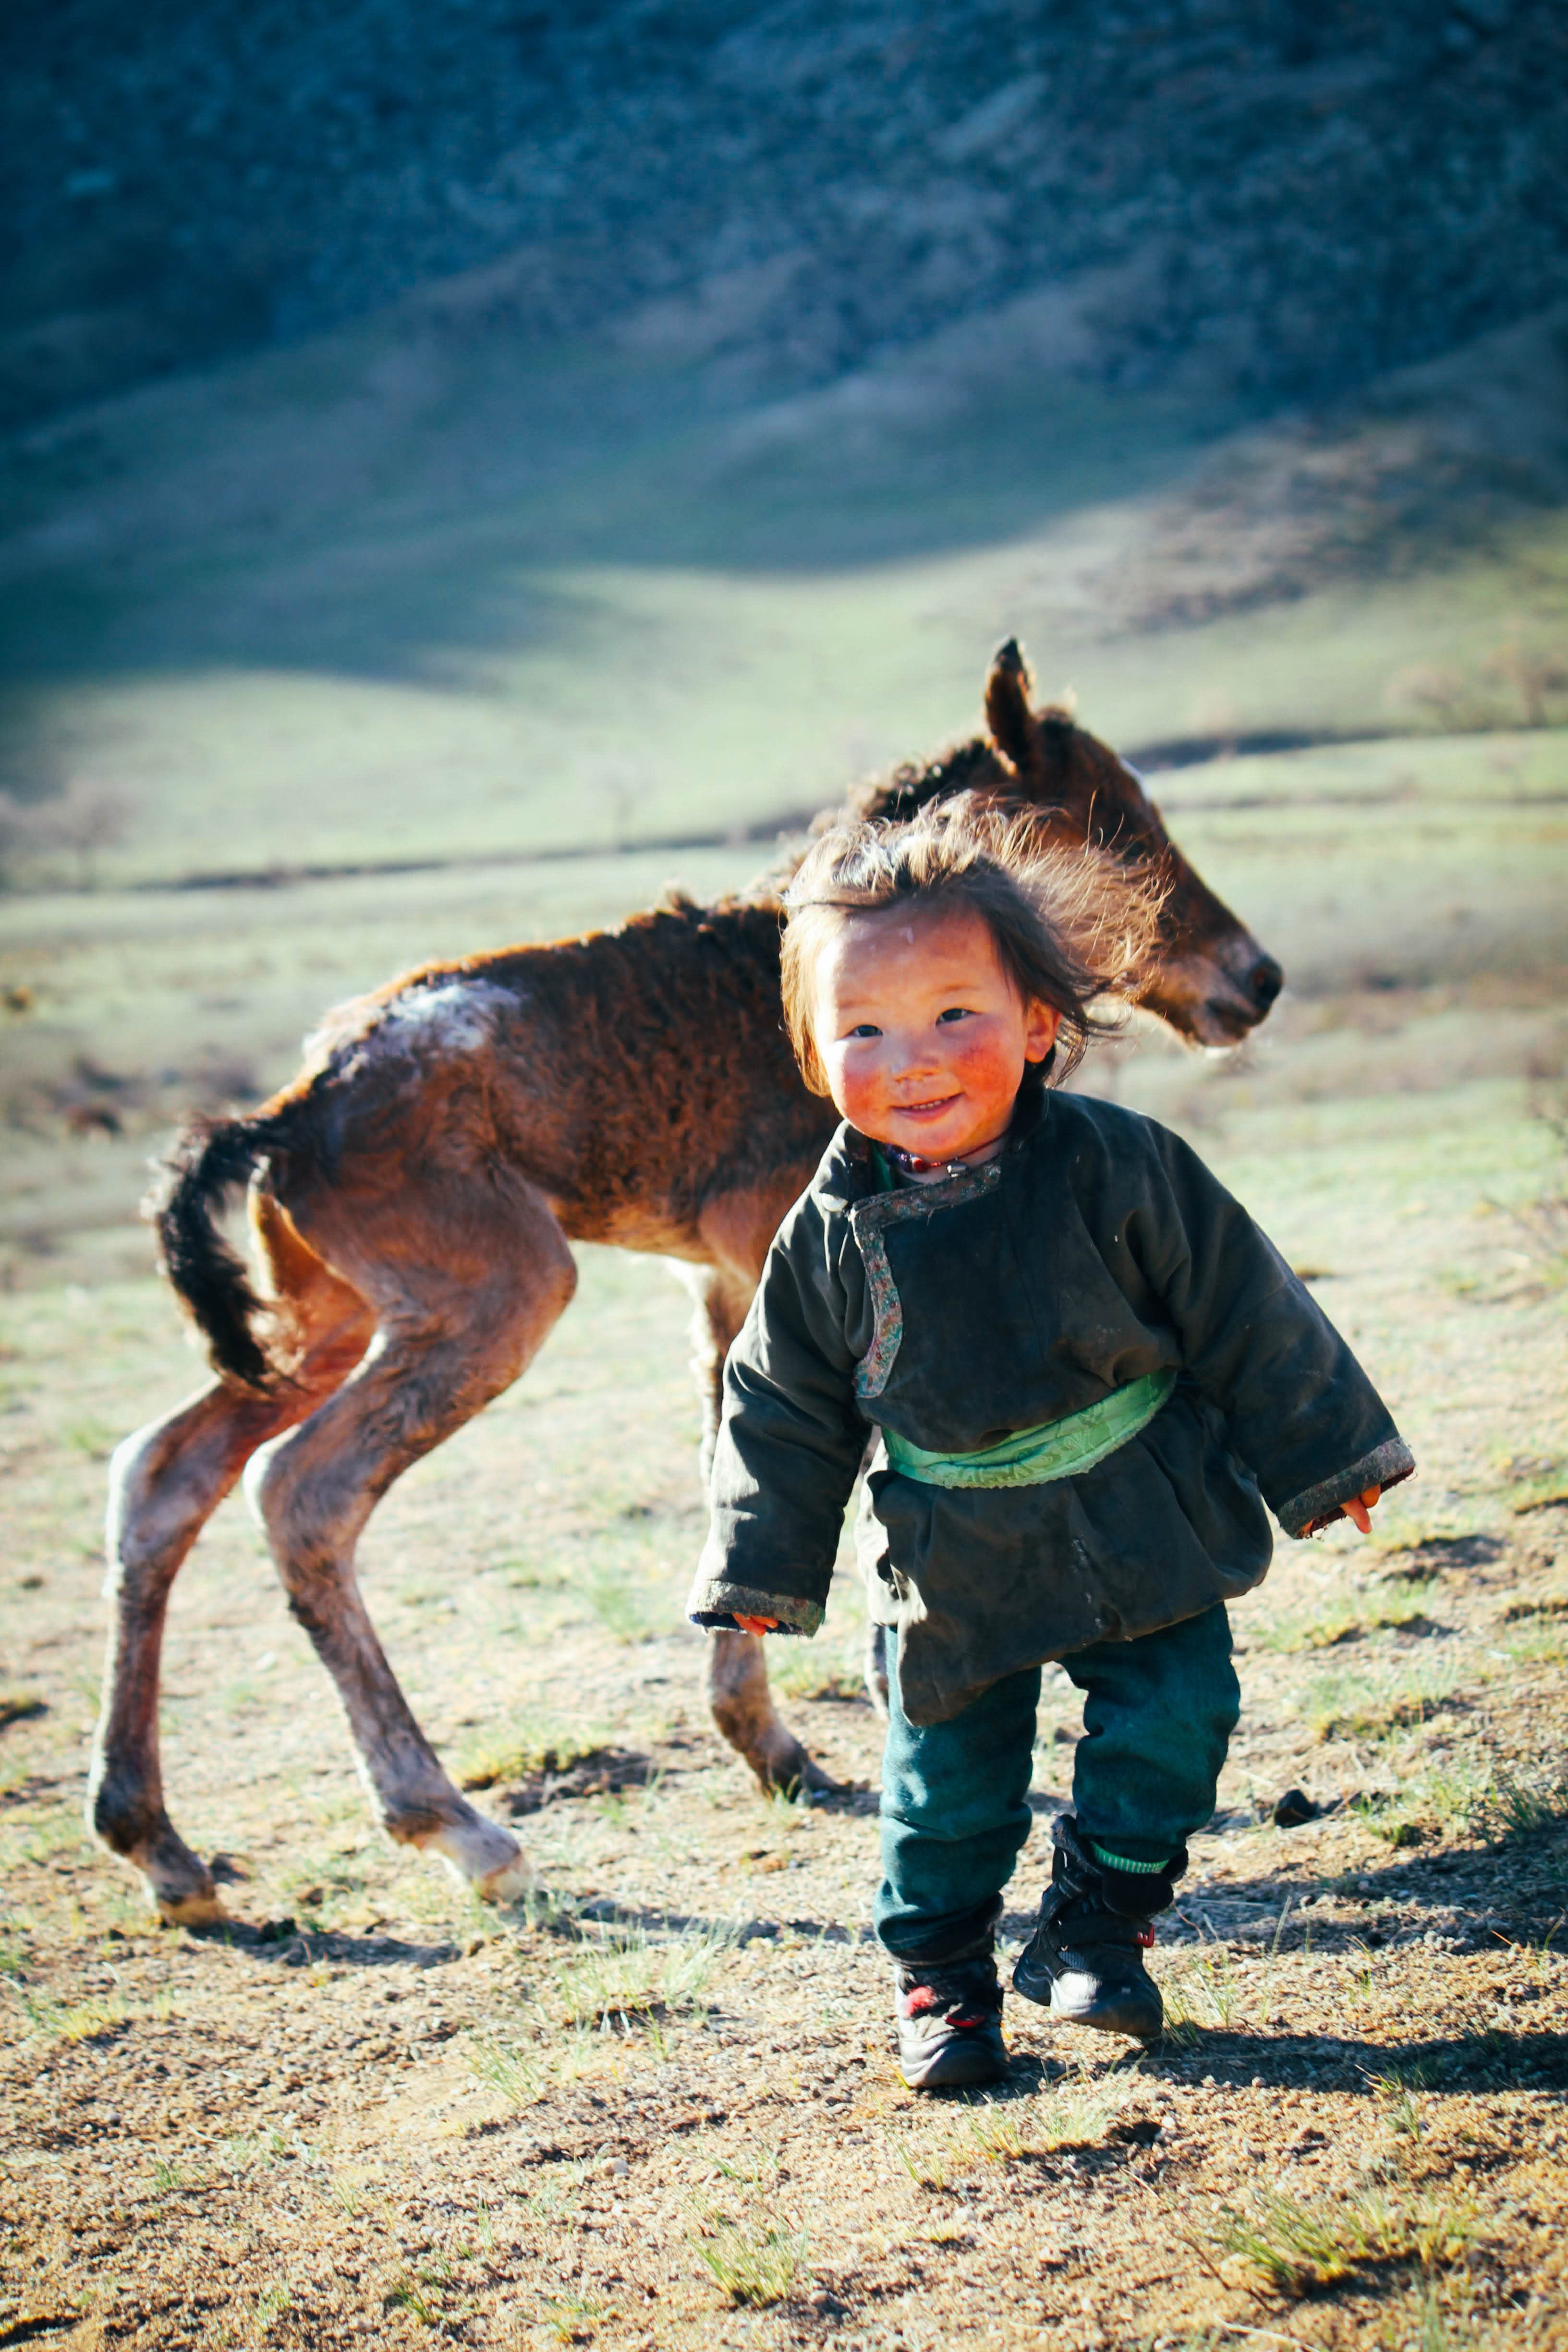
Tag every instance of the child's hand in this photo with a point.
(1359, 1506)
(1356, 1510)
(769, 1624)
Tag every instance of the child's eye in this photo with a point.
(865, 1029)
(953, 1012)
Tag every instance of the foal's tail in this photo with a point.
(212, 1159)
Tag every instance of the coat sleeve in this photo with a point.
(1303, 1413)
(790, 1443)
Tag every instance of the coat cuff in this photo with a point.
(1385, 1466)
(714, 1601)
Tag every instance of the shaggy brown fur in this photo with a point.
(411, 1196)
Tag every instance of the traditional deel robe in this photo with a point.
(1095, 1249)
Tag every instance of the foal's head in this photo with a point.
(1208, 977)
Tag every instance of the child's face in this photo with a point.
(921, 1033)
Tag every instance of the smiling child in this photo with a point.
(1089, 1370)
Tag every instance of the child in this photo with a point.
(1088, 1368)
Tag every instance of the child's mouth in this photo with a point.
(925, 1110)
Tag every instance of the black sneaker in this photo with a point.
(1085, 1961)
(950, 2024)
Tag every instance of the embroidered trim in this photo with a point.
(867, 1221)
(1385, 1466)
(714, 1602)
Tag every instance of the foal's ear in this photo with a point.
(1008, 686)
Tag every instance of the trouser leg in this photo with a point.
(954, 1815)
(1158, 1715)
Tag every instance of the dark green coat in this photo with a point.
(1095, 1248)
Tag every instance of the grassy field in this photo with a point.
(662, 2112)
(398, 595)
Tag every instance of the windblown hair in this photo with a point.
(1072, 928)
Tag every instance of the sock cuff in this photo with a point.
(1112, 1860)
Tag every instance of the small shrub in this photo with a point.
(1207, 1991)
(81, 2020)
(996, 2132)
(628, 1975)
(1402, 2111)
(169, 2178)
(1294, 2247)
(1522, 1803)
(569, 2316)
(753, 2260)
(519, 2075)
(1297, 2247)
(926, 2171)
(406, 2292)
(546, 1743)
(1074, 2114)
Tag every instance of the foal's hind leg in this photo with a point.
(164, 1482)
(450, 1338)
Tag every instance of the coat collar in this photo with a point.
(856, 1148)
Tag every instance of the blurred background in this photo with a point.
(467, 463)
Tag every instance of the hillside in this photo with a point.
(1277, 200)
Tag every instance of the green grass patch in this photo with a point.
(1295, 2248)
(547, 1743)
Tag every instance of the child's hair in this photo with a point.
(1069, 926)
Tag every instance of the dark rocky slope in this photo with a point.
(1284, 198)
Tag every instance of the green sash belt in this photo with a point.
(1057, 1449)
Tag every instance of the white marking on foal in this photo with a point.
(433, 1018)
(454, 1015)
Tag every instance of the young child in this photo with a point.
(1089, 1370)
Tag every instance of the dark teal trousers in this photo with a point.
(1157, 1718)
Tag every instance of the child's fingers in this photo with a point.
(755, 1625)
(1356, 1509)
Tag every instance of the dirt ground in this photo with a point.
(661, 2110)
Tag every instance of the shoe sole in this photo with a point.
(1134, 2019)
(954, 2070)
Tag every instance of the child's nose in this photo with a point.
(914, 1052)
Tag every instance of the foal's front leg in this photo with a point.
(735, 1674)
(743, 1708)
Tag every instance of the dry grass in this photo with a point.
(397, 2119)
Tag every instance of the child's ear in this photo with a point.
(1040, 1035)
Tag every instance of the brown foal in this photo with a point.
(411, 1197)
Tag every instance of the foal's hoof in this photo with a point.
(181, 1886)
(510, 1884)
(192, 1910)
(479, 1855)
(795, 1774)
